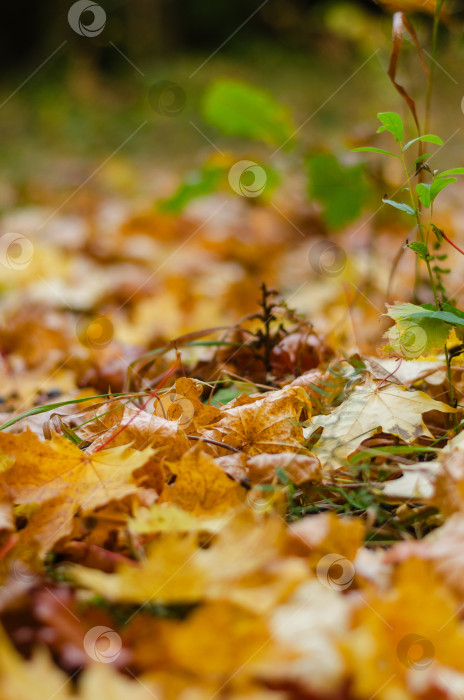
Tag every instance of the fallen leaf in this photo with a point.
(178, 571)
(300, 469)
(58, 470)
(372, 407)
(267, 424)
(396, 634)
(416, 483)
(201, 487)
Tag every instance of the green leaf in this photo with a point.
(427, 138)
(417, 331)
(446, 306)
(420, 249)
(448, 314)
(211, 177)
(226, 394)
(239, 109)
(342, 190)
(423, 192)
(439, 184)
(422, 157)
(197, 183)
(439, 234)
(400, 205)
(453, 171)
(392, 122)
(370, 149)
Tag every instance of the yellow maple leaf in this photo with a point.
(201, 486)
(267, 424)
(60, 472)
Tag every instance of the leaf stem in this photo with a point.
(417, 214)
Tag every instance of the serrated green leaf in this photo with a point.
(399, 205)
(371, 149)
(427, 138)
(239, 109)
(392, 122)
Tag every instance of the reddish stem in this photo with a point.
(451, 242)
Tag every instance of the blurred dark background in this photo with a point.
(149, 28)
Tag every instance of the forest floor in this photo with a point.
(214, 481)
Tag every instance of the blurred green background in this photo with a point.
(67, 102)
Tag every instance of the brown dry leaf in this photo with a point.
(407, 372)
(140, 429)
(234, 464)
(45, 526)
(202, 487)
(6, 508)
(59, 470)
(401, 22)
(268, 424)
(373, 406)
(6, 515)
(300, 469)
(39, 335)
(317, 381)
